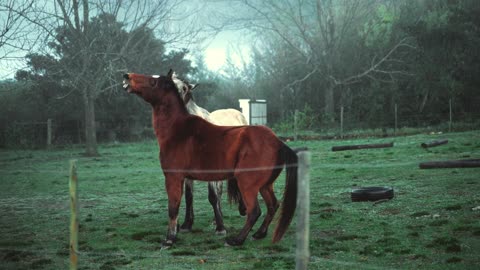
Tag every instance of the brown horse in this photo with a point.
(225, 117)
(192, 148)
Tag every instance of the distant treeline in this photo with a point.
(368, 57)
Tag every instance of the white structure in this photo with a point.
(254, 110)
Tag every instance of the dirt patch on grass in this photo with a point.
(275, 263)
(130, 215)
(390, 211)
(383, 246)
(420, 214)
(438, 223)
(24, 259)
(445, 243)
(414, 234)
(454, 248)
(418, 257)
(149, 236)
(455, 207)
(111, 265)
(454, 260)
(14, 255)
(349, 237)
(183, 253)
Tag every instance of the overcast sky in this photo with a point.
(215, 48)
(229, 42)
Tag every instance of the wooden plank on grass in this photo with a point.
(434, 143)
(465, 163)
(361, 146)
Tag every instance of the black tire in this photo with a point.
(371, 194)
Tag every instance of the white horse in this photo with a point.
(223, 117)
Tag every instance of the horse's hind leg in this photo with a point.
(188, 222)
(214, 193)
(272, 206)
(253, 213)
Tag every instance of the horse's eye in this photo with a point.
(184, 88)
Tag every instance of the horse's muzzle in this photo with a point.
(126, 84)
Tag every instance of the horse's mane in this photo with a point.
(174, 89)
(189, 95)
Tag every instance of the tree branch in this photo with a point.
(374, 68)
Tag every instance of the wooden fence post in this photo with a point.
(341, 122)
(396, 121)
(73, 184)
(49, 132)
(450, 118)
(295, 125)
(303, 215)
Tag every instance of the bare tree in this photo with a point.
(15, 35)
(318, 32)
(91, 70)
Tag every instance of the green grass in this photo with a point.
(429, 224)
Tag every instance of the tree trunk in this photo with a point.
(329, 105)
(90, 128)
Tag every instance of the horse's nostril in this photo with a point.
(125, 76)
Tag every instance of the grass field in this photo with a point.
(432, 223)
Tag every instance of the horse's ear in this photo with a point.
(170, 74)
(193, 86)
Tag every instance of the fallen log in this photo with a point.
(434, 143)
(464, 163)
(361, 146)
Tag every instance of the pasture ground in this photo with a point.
(432, 223)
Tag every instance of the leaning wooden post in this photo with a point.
(49, 132)
(303, 206)
(73, 215)
(341, 122)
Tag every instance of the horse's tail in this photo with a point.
(234, 195)
(290, 194)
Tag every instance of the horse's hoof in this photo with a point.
(167, 244)
(258, 236)
(232, 242)
(221, 232)
(185, 228)
(242, 211)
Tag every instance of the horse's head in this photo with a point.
(150, 87)
(184, 88)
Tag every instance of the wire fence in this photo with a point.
(349, 124)
(52, 132)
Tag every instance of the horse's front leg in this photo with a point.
(174, 187)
